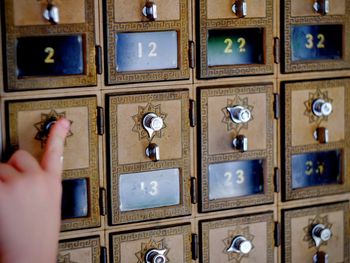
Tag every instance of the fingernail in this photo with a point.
(65, 123)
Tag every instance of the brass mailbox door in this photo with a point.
(238, 239)
(146, 40)
(236, 146)
(235, 38)
(79, 250)
(315, 234)
(315, 35)
(315, 138)
(49, 44)
(149, 156)
(29, 122)
(171, 244)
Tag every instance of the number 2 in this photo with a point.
(50, 53)
(241, 42)
(228, 48)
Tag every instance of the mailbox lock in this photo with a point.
(150, 10)
(239, 114)
(321, 6)
(152, 151)
(321, 108)
(240, 8)
(51, 13)
(240, 143)
(155, 256)
(152, 123)
(240, 245)
(48, 125)
(320, 234)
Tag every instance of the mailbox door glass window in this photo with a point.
(146, 51)
(235, 179)
(235, 46)
(149, 189)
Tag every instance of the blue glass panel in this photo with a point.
(74, 198)
(233, 179)
(235, 46)
(146, 51)
(316, 168)
(50, 56)
(316, 42)
(149, 189)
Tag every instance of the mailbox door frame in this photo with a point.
(204, 159)
(288, 150)
(87, 30)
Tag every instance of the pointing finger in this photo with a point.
(52, 158)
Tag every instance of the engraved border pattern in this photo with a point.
(14, 107)
(13, 32)
(206, 226)
(287, 223)
(206, 159)
(184, 230)
(93, 243)
(112, 28)
(319, 64)
(289, 150)
(235, 70)
(183, 163)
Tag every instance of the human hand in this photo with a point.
(30, 202)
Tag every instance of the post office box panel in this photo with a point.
(146, 40)
(315, 138)
(316, 234)
(79, 250)
(29, 122)
(238, 239)
(49, 44)
(236, 142)
(171, 244)
(149, 158)
(315, 35)
(235, 38)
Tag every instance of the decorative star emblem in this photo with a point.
(142, 111)
(238, 231)
(236, 127)
(312, 222)
(43, 126)
(150, 244)
(65, 259)
(318, 94)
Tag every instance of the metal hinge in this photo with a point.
(277, 234)
(103, 202)
(276, 50)
(193, 115)
(192, 54)
(100, 121)
(103, 255)
(98, 57)
(276, 105)
(193, 190)
(276, 178)
(195, 247)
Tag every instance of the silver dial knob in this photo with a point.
(152, 151)
(51, 13)
(240, 143)
(320, 233)
(239, 114)
(152, 123)
(150, 10)
(240, 8)
(240, 245)
(321, 108)
(156, 256)
(321, 6)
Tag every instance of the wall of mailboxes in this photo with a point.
(202, 131)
